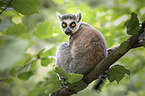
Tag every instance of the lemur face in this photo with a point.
(69, 23)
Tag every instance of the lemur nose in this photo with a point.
(68, 31)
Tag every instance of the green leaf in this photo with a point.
(26, 7)
(117, 73)
(125, 24)
(16, 29)
(41, 88)
(50, 52)
(33, 65)
(73, 77)
(53, 86)
(12, 71)
(52, 76)
(43, 31)
(25, 75)
(133, 24)
(8, 81)
(61, 72)
(46, 61)
(122, 48)
(40, 52)
(27, 58)
(48, 87)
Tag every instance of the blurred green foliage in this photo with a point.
(29, 36)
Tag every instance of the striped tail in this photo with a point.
(100, 81)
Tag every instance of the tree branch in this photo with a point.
(6, 7)
(139, 44)
(100, 68)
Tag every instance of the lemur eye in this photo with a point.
(64, 25)
(73, 24)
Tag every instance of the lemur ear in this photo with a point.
(79, 16)
(59, 16)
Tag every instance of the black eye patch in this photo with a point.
(72, 25)
(64, 25)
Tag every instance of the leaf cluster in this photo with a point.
(23, 6)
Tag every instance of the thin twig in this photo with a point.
(19, 69)
(6, 7)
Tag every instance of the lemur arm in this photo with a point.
(63, 56)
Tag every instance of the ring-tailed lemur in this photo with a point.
(86, 46)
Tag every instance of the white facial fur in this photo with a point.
(69, 21)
